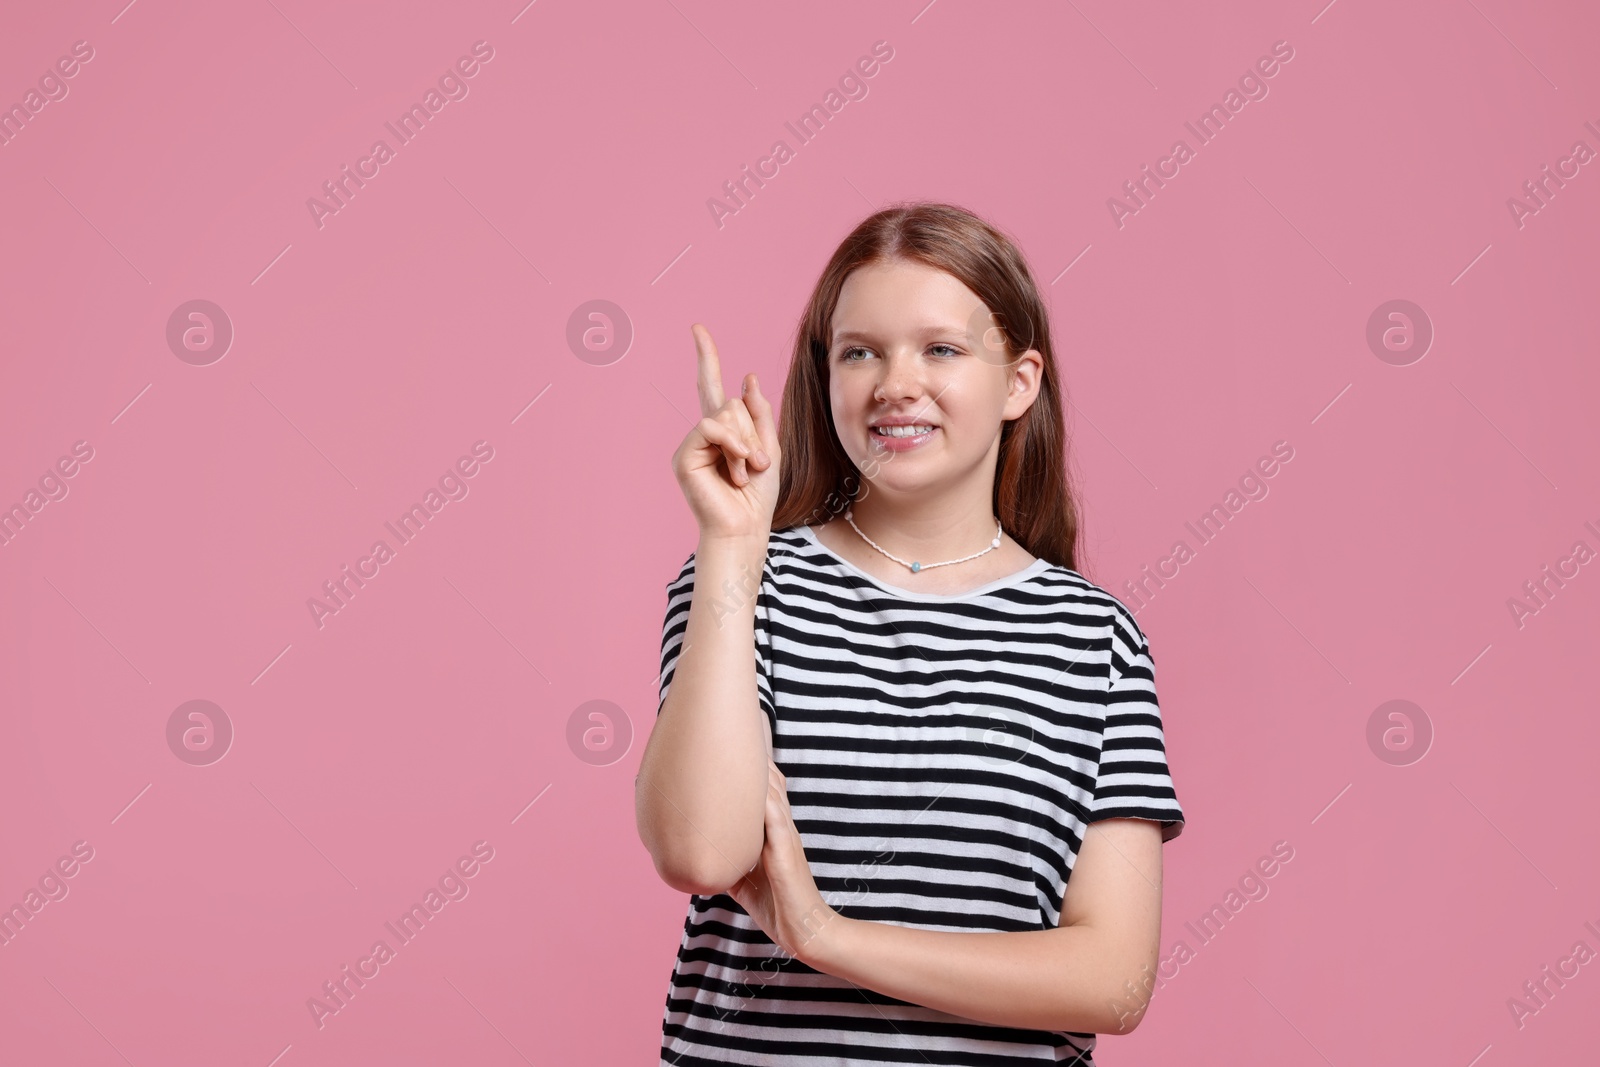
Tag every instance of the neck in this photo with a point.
(930, 533)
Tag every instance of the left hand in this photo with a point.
(780, 893)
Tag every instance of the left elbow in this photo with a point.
(1123, 1015)
(1127, 1003)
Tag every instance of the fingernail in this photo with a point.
(762, 457)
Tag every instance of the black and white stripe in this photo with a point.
(943, 755)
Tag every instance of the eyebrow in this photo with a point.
(943, 330)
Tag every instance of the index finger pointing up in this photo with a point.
(710, 373)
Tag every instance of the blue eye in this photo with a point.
(844, 357)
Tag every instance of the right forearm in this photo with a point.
(701, 791)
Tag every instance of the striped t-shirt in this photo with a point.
(943, 756)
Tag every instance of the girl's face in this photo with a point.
(909, 348)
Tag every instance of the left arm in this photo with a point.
(1091, 974)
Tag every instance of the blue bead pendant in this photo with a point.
(915, 567)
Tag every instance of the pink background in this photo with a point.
(431, 312)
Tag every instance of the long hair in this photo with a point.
(1032, 495)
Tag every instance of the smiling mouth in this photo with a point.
(903, 431)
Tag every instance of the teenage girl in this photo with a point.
(908, 762)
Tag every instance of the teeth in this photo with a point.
(901, 431)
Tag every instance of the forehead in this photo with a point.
(900, 297)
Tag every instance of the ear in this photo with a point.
(1027, 374)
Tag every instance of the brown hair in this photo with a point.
(1032, 495)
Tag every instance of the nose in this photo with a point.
(900, 378)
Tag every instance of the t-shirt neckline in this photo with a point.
(1038, 566)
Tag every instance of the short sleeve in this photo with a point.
(1133, 780)
(680, 593)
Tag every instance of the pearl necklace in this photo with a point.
(916, 567)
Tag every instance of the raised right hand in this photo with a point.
(731, 489)
(728, 487)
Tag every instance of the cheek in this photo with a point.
(965, 405)
(849, 411)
